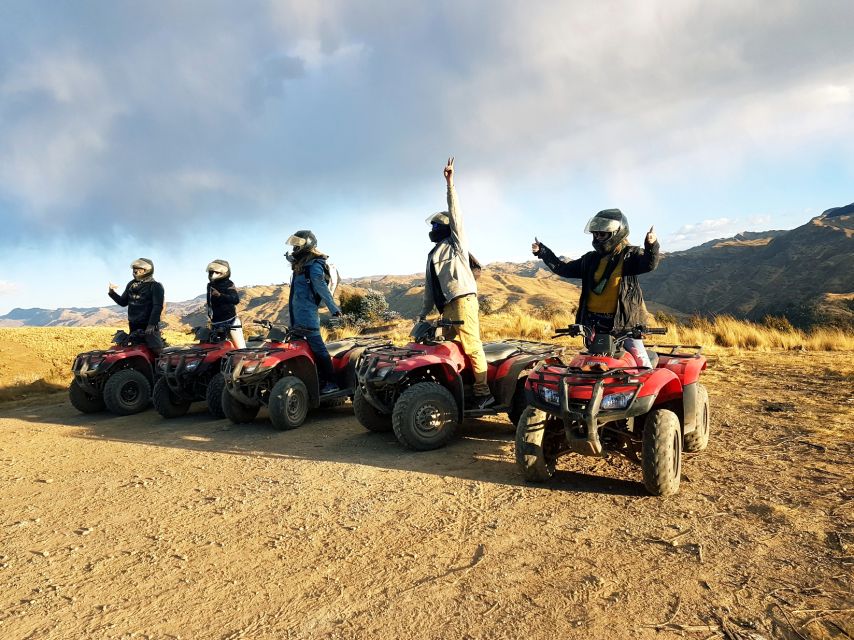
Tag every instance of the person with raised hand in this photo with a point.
(143, 296)
(611, 297)
(450, 287)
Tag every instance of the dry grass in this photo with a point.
(36, 360)
(722, 332)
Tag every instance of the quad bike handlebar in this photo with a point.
(637, 332)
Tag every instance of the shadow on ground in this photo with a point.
(482, 450)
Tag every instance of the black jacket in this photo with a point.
(144, 300)
(630, 305)
(222, 307)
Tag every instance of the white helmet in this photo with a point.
(218, 269)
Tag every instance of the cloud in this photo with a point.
(129, 119)
(690, 235)
(8, 288)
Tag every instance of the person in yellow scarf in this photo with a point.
(611, 297)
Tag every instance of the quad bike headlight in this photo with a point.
(382, 373)
(193, 364)
(616, 401)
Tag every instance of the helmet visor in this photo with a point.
(440, 218)
(296, 241)
(598, 223)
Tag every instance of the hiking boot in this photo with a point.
(483, 402)
(329, 387)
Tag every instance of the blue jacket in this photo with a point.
(301, 302)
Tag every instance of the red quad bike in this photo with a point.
(420, 390)
(602, 400)
(281, 374)
(118, 379)
(191, 373)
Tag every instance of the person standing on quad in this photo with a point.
(143, 296)
(308, 289)
(450, 287)
(611, 298)
(222, 301)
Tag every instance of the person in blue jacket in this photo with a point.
(308, 289)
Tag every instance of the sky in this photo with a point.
(185, 131)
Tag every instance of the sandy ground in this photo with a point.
(144, 528)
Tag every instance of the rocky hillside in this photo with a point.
(804, 274)
(504, 288)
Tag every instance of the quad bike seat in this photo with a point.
(339, 347)
(497, 351)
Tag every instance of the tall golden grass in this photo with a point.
(38, 359)
(721, 332)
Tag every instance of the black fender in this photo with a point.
(506, 387)
(137, 363)
(689, 407)
(305, 370)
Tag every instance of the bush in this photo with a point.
(363, 310)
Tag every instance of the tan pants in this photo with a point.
(468, 333)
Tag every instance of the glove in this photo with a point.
(151, 329)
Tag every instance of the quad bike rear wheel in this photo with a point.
(368, 416)
(537, 445)
(662, 453)
(166, 403)
(425, 417)
(127, 392)
(84, 401)
(213, 396)
(698, 439)
(288, 403)
(235, 410)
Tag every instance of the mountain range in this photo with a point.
(803, 274)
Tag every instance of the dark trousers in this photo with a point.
(321, 357)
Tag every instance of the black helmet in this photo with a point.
(610, 221)
(301, 241)
(146, 265)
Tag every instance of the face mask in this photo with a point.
(289, 257)
(439, 232)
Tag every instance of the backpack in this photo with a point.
(330, 274)
(476, 267)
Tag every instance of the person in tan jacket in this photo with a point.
(450, 287)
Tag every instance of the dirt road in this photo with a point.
(142, 528)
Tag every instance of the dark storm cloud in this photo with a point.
(181, 114)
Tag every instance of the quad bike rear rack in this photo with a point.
(588, 412)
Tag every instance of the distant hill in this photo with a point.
(804, 274)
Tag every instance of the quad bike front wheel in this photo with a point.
(662, 453)
(127, 392)
(425, 417)
(368, 416)
(518, 403)
(84, 401)
(235, 410)
(537, 445)
(698, 440)
(166, 403)
(288, 403)
(213, 396)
